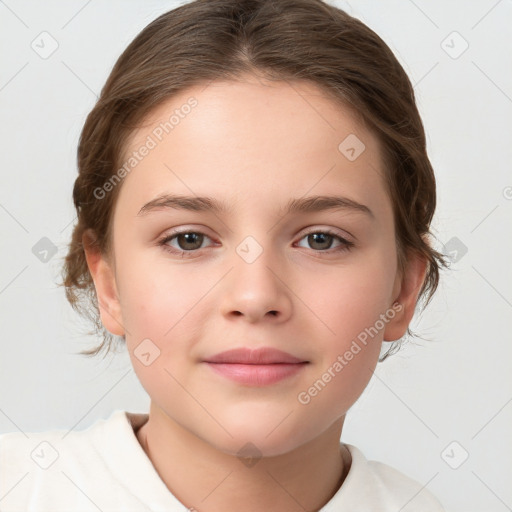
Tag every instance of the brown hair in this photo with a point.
(206, 40)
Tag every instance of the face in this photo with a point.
(189, 284)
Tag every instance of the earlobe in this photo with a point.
(105, 284)
(404, 304)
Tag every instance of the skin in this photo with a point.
(255, 145)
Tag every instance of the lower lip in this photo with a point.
(257, 374)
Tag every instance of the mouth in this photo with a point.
(258, 367)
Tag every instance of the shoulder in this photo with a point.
(35, 463)
(412, 495)
(43, 449)
(372, 485)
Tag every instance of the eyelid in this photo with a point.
(330, 231)
(187, 229)
(314, 229)
(346, 245)
(169, 235)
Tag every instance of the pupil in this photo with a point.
(189, 239)
(315, 236)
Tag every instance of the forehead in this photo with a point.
(239, 139)
(255, 107)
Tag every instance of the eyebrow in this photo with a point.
(209, 204)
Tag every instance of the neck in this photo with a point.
(208, 480)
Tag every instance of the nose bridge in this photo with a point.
(258, 263)
(256, 233)
(255, 285)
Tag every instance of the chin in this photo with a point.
(262, 438)
(256, 447)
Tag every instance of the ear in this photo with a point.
(104, 281)
(407, 288)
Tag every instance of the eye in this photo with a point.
(187, 241)
(322, 241)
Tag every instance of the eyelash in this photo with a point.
(346, 244)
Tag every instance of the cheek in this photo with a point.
(348, 351)
(163, 314)
(155, 296)
(350, 300)
(352, 313)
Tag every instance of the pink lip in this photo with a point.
(257, 367)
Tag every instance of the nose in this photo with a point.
(257, 290)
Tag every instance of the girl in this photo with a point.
(254, 201)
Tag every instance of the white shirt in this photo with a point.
(104, 468)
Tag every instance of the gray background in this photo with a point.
(428, 407)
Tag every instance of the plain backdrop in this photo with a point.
(441, 409)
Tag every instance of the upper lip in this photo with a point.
(265, 355)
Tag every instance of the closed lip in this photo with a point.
(265, 355)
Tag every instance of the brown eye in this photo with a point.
(322, 241)
(189, 241)
(186, 243)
